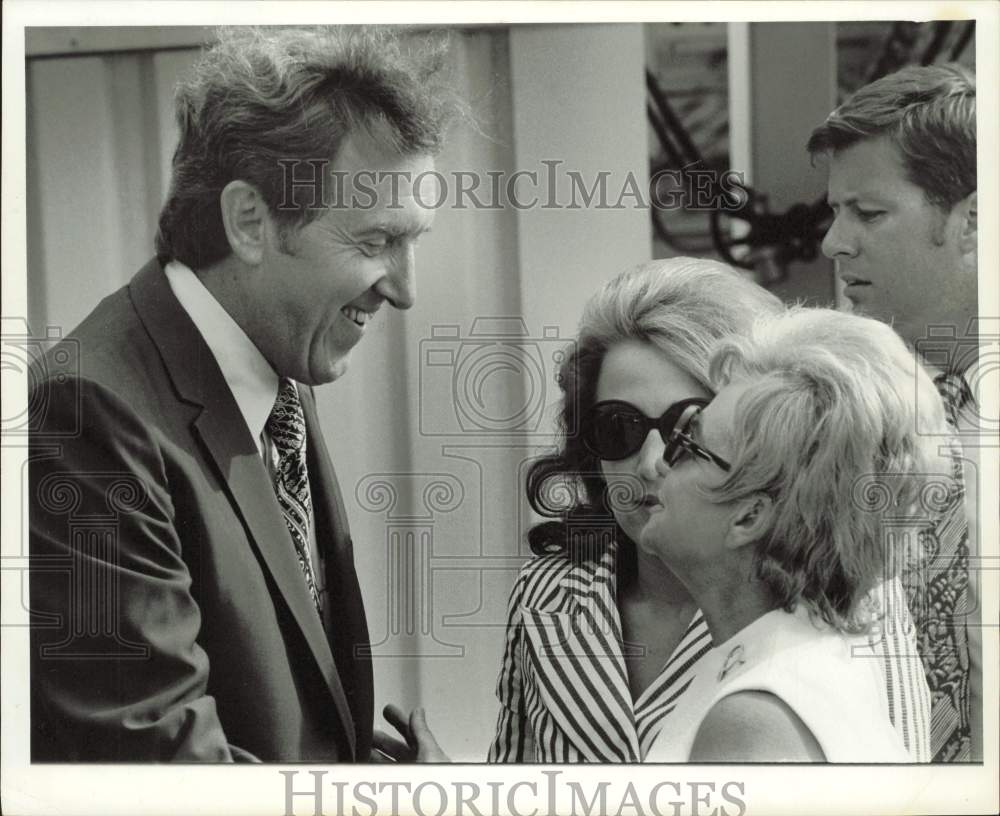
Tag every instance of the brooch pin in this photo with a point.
(733, 659)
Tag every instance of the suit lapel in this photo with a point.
(348, 634)
(577, 659)
(221, 429)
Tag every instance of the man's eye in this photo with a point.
(869, 215)
(373, 247)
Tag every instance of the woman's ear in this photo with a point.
(245, 218)
(751, 520)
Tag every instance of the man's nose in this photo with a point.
(649, 454)
(838, 242)
(399, 285)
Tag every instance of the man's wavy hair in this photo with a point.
(260, 96)
(839, 426)
(928, 113)
(681, 306)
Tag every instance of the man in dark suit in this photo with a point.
(193, 591)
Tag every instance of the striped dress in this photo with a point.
(563, 687)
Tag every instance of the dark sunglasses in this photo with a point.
(680, 442)
(614, 429)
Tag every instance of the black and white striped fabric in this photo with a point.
(563, 687)
(894, 643)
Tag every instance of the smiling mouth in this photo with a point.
(649, 501)
(358, 316)
(851, 281)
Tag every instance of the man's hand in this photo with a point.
(420, 745)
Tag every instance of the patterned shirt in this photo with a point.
(937, 588)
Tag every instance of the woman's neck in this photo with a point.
(655, 581)
(730, 603)
(730, 619)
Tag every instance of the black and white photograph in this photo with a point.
(472, 408)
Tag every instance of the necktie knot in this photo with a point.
(286, 424)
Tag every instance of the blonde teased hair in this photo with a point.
(680, 305)
(838, 411)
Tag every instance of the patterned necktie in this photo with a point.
(287, 428)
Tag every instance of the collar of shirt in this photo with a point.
(250, 378)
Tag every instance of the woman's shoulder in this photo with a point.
(544, 569)
(545, 579)
(754, 726)
(812, 668)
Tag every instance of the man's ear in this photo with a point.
(245, 218)
(751, 520)
(968, 227)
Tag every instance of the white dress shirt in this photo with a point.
(252, 381)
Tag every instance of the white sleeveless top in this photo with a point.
(833, 683)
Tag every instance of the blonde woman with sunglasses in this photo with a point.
(818, 430)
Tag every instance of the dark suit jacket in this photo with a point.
(170, 619)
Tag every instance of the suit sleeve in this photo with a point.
(513, 741)
(117, 672)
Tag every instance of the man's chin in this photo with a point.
(858, 304)
(329, 371)
(874, 311)
(855, 296)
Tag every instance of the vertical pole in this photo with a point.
(783, 83)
